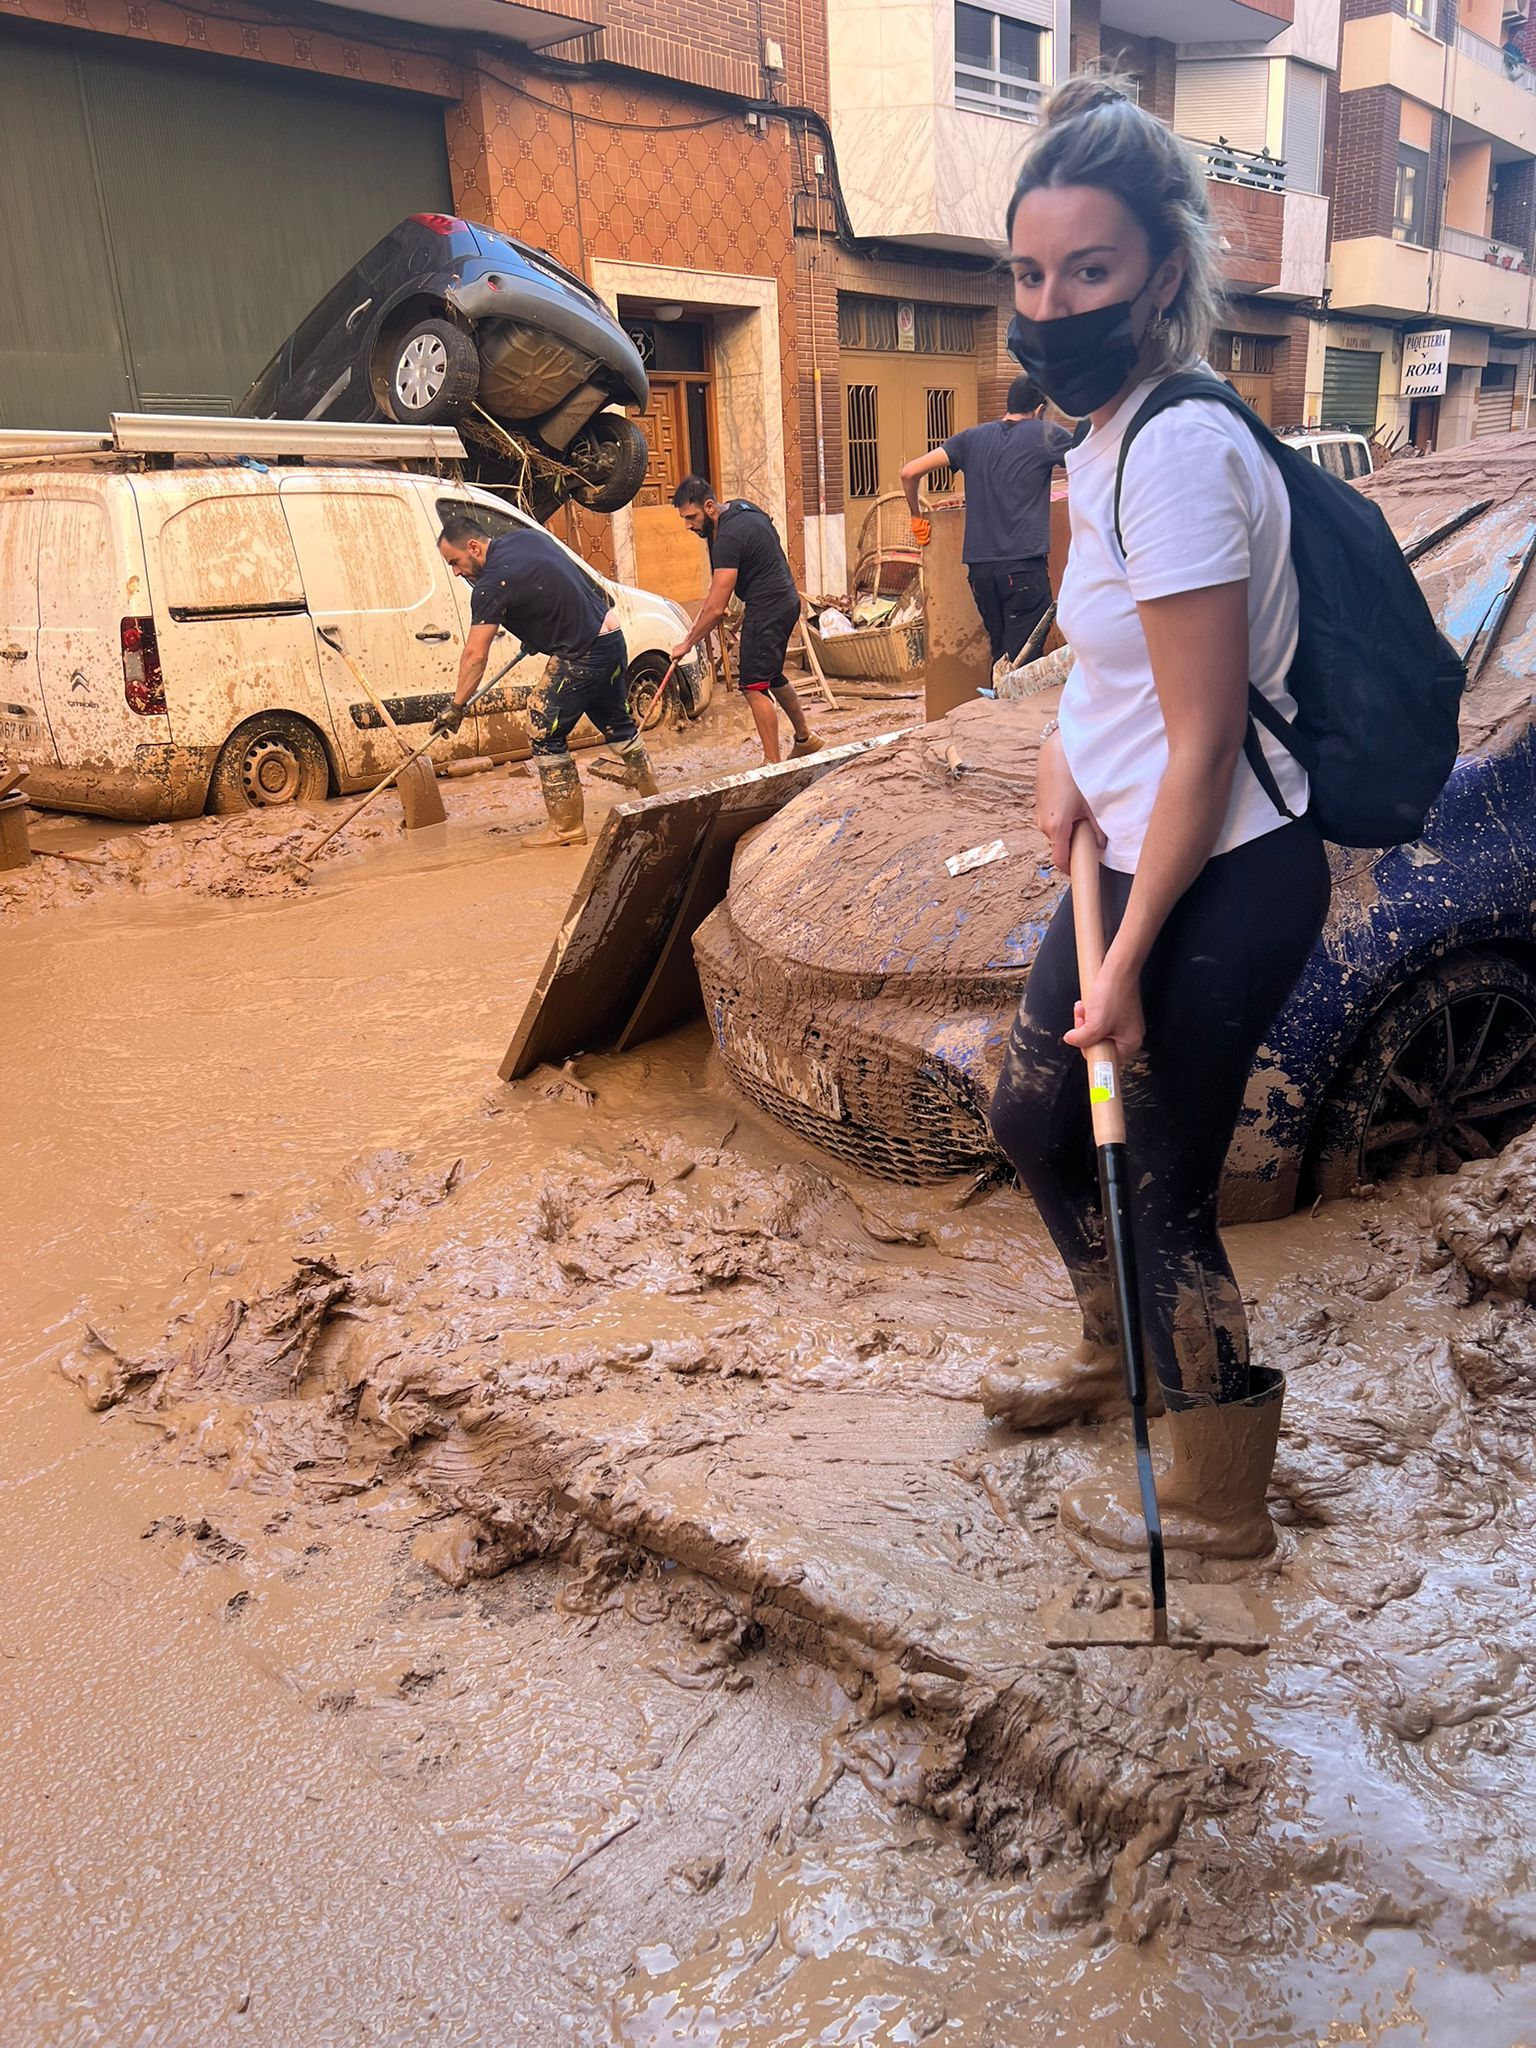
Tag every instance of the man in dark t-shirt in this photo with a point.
(747, 561)
(1007, 465)
(525, 582)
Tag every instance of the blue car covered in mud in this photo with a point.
(862, 974)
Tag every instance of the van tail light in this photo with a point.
(143, 684)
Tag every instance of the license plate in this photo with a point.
(797, 1075)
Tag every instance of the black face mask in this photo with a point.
(1081, 360)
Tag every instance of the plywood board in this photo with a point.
(959, 663)
(632, 892)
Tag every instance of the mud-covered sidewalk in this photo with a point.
(528, 1564)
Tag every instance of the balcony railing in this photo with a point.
(1492, 58)
(1231, 166)
(1482, 249)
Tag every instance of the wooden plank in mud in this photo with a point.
(620, 965)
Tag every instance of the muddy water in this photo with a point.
(506, 1589)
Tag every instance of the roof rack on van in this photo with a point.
(156, 439)
(146, 433)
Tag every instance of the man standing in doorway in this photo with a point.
(747, 561)
(526, 582)
(1007, 467)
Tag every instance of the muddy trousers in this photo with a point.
(590, 684)
(1221, 968)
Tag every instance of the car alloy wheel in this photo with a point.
(1450, 1093)
(422, 371)
(1445, 1073)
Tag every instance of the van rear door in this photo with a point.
(374, 582)
(87, 623)
(24, 734)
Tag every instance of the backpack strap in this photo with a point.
(1175, 390)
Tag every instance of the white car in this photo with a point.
(1341, 453)
(172, 631)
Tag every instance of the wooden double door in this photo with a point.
(676, 423)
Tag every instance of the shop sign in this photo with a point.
(1425, 359)
(1352, 337)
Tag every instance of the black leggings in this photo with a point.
(1217, 975)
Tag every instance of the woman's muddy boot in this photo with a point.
(561, 787)
(1078, 1387)
(1212, 1496)
(635, 768)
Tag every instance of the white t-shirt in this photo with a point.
(1202, 504)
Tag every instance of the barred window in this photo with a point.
(869, 323)
(863, 441)
(941, 424)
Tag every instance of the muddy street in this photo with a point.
(528, 1563)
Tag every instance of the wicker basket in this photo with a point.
(876, 654)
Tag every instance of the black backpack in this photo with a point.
(1377, 686)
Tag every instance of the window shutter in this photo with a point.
(1223, 96)
(1305, 100)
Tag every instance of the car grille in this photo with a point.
(900, 1119)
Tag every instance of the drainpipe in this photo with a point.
(821, 438)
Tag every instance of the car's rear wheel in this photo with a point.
(273, 759)
(434, 373)
(610, 457)
(1445, 1073)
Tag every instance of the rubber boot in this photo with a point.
(1212, 1496)
(1079, 1387)
(560, 786)
(635, 767)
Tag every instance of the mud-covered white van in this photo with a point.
(169, 624)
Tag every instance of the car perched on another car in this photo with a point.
(862, 974)
(447, 322)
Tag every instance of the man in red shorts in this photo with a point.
(748, 562)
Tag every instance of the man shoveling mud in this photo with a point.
(526, 582)
(748, 562)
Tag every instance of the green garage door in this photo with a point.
(1351, 386)
(167, 219)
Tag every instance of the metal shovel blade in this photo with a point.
(420, 797)
(1092, 1616)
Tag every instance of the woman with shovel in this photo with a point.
(1213, 896)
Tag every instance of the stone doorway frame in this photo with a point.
(748, 380)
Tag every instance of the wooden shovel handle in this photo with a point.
(1088, 925)
(326, 633)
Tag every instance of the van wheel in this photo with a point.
(274, 759)
(1446, 1072)
(610, 457)
(434, 372)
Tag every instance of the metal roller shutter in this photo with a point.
(1305, 104)
(1223, 98)
(1495, 400)
(1351, 387)
(186, 213)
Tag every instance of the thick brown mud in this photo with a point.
(581, 1491)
